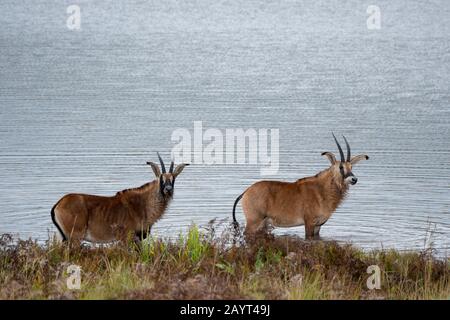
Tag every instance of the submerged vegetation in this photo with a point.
(201, 265)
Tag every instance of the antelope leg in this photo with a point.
(316, 232)
(309, 230)
(142, 235)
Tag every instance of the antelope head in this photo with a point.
(343, 169)
(166, 179)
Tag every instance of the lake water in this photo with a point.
(82, 111)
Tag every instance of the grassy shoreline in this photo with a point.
(200, 265)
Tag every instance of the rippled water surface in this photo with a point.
(82, 111)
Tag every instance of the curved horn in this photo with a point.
(171, 167)
(339, 147)
(163, 167)
(348, 150)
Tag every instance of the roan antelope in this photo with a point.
(105, 219)
(309, 201)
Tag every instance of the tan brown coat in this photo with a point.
(129, 212)
(309, 201)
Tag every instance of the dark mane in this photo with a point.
(141, 188)
(312, 177)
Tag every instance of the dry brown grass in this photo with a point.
(200, 265)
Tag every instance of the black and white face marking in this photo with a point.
(347, 174)
(345, 164)
(166, 184)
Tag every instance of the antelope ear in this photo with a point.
(358, 158)
(330, 156)
(179, 168)
(155, 168)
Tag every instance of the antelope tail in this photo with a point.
(236, 224)
(56, 223)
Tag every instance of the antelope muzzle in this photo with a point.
(352, 179)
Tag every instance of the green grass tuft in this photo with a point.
(200, 265)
